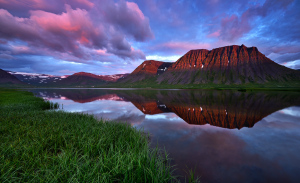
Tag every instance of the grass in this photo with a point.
(271, 86)
(11, 85)
(39, 145)
(192, 177)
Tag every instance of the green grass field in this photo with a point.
(273, 86)
(39, 145)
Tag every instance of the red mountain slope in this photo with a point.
(229, 64)
(147, 69)
(82, 79)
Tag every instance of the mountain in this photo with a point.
(226, 65)
(37, 79)
(81, 79)
(113, 78)
(229, 65)
(9, 80)
(50, 80)
(147, 70)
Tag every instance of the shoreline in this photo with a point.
(38, 144)
(242, 89)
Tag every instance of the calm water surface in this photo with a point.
(224, 136)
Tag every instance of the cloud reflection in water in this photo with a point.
(266, 152)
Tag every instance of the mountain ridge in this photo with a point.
(147, 70)
(6, 79)
(230, 65)
(81, 79)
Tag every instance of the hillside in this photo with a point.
(81, 79)
(149, 69)
(44, 80)
(112, 78)
(227, 65)
(36, 79)
(9, 80)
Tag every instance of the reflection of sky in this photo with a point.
(292, 111)
(268, 152)
(105, 109)
(167, 116)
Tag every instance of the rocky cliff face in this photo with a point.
(229, 64)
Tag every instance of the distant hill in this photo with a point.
(36, 79)
(147, 70)
(113, 78)
(9, 80)
(81, 79)
(44, 80)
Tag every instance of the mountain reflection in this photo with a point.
(226, 109)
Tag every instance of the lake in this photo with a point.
(223, 136)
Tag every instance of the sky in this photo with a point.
(61, 37)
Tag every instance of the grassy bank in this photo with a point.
(54, 146)
(151, 83)
(295, 86)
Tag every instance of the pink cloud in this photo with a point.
(75, 33)
(182, 47)
(53, 6)
(30, 3)
(6, 56)
(71, 20)
(126, 18)
(20, 49)
(135, 8)
(233, 27)
(214, 34)
(83, 2)
(102, 52)
(186, 45)
(285, 49)
(66, 71)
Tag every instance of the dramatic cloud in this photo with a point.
(121, 34)
(234, 27)
(22, 8)
(74, 30)
(178, 48)
(127, 18)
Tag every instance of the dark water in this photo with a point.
(224, 136)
